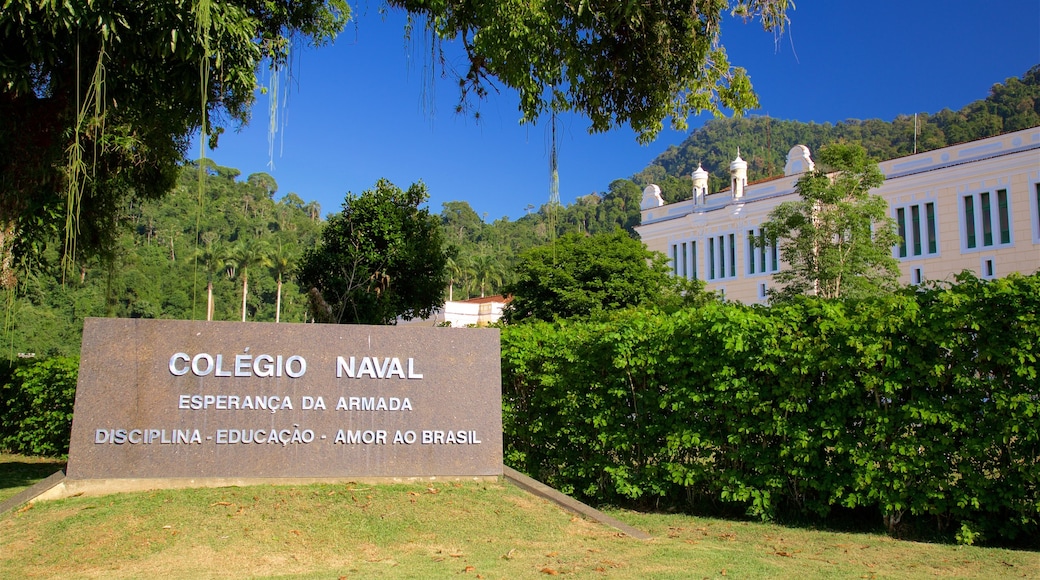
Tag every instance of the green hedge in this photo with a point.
(36, 408)
(923, 403)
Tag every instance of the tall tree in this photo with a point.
(487, 272)
(282, 260)
(210, 255)
(583, 275)
(381, 258)
(837, 239)
(245, 255)
(99, 101)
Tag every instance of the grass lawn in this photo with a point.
(440, 530)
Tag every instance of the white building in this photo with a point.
(973, 206)
(463, 313)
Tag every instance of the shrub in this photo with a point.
(36, 418)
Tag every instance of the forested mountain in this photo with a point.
(157, 270)
(233, 230)
(764, 142)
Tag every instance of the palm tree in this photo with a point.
(454, 272)
(487, 271)
(282, 260)
(210, 254)
(313, 210)
(243, 256)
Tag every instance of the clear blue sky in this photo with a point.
(355, 110)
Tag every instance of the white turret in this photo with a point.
(700, 185)
(738, 176)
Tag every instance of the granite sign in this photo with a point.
(187, 399)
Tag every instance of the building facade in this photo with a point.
(973, 206)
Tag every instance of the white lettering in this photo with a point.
(174, 369)
(263, 366)
(411, 370)
(244, 365)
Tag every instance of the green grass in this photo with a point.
(441, 530)
(18, 472)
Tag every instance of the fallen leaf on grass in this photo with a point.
(784, 554)
(550, 572)
(296, 532)
(509, 555)
(552, 554)
(468, 569)
(216, 503)
(432, 490)
(27, 507)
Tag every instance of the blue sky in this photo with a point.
(355, 110)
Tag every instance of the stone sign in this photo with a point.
(188, 399)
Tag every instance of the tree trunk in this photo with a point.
(245, 289)
(209, 301)
(278, 302)
(7, 238)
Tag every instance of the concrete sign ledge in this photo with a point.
(570, 504)
(38, 490)
(96, 487)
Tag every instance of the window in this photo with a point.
(1036, 214)
(722, 257)
(989, 214)
(711, 258)
(929, 209)
(917, 228)
(988, 270)
(901, 224)
(693, 254)
(683, 253)
(760, 259)
(969, 221)
(733, 255)
(916, 276)
(1002, 211)
(684, 262)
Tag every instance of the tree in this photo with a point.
(617, 63)
(99, 101)
(487, 271)
(837, 240)
(583, 275)
(379, 259)
(264, 182)
(245, 255)
(209, 253)
(282, 261)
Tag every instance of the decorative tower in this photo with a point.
(738, 176)
(651, 197)
(798, 161)
(700, 185)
